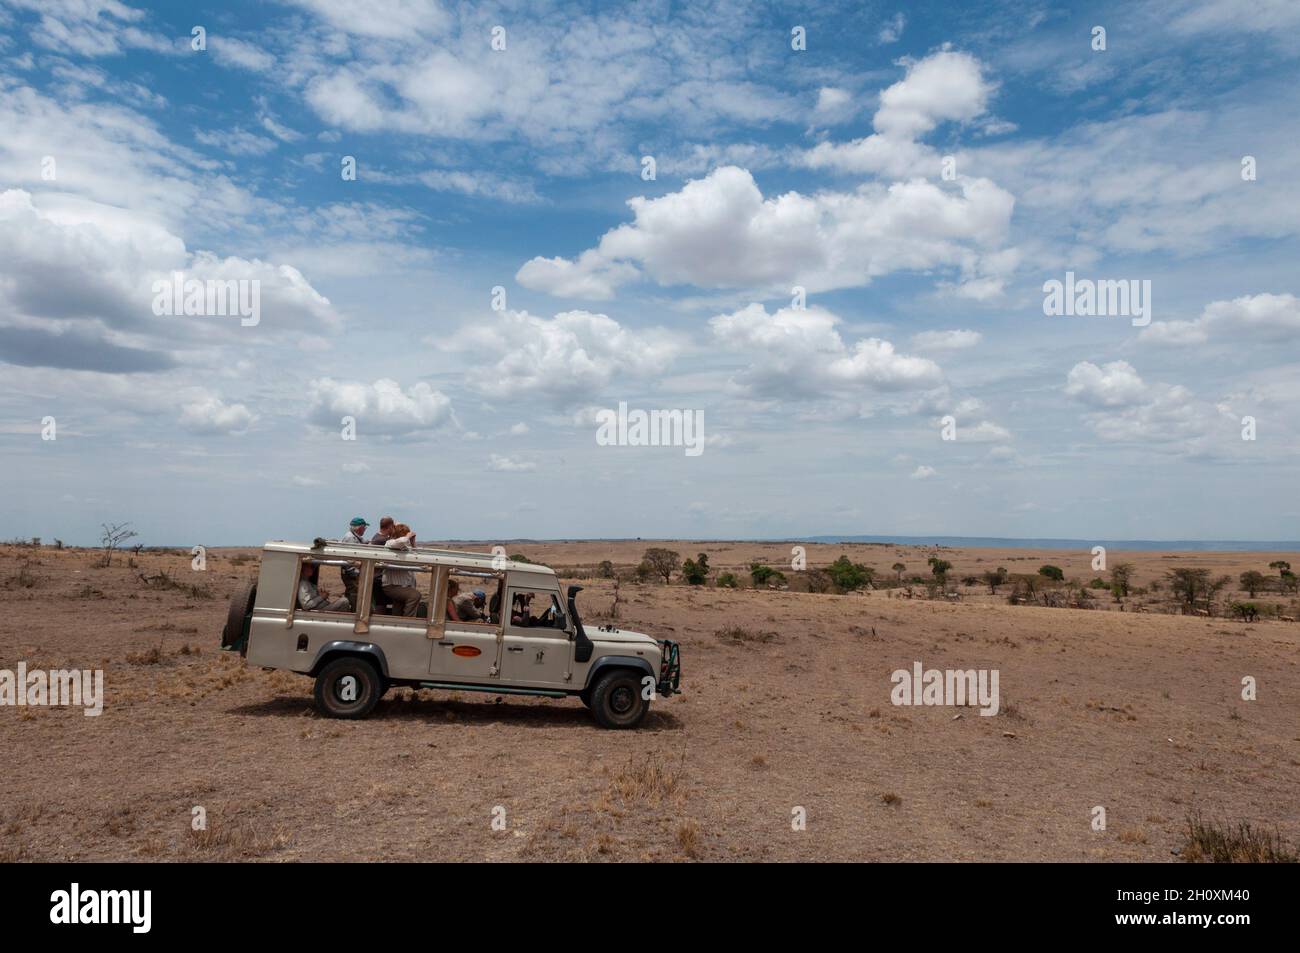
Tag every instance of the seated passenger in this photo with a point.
(469, 608)
(453, 613)
(314, 599)
(399, 584)
(519, 609)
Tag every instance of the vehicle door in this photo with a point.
(463, 651)
(537, 649)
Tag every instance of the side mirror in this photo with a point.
(561, 620)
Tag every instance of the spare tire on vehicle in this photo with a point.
(235, 634)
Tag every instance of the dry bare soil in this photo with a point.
(1138, 713)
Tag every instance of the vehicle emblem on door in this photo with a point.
(541, 654)
(466, 651)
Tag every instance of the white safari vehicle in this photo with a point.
(528, 640)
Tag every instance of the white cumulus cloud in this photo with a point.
(382, 407)
(721, 232)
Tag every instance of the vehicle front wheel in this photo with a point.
(616, 700)
(348, 688)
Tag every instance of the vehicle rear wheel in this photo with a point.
(616, 700)
(348, 687)
(241, 604)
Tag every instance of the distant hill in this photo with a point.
(995, 542)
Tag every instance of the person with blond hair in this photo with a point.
(399, 584)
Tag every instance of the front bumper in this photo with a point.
(670, 668)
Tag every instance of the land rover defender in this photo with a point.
(528, 639)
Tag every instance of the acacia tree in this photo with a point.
(1121, 578)
(898, 572)
(114, 535)
(665, 562)
(696, 572)
(939, 567)
(1191, 586)
(1252, 582)
(1286, 578)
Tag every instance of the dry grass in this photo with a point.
(166, 581)
(150, 656)
(688, 838)
(1210, 842)
(237, 840)
(739, 635)
(24, 578)
(651, 782)
(812, 701)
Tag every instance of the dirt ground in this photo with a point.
(788, 708)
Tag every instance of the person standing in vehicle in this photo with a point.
(351, 573)
(378, 598)
(385, 531)
(399, 584)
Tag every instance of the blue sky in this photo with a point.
(919, 170)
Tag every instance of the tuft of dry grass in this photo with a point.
(688, 838)
(24, 578)
(739, 635)
(153, 656)
(241, 840)
(1214, 843)
(649, 781)
(165, 580)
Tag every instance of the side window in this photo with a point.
(534, 609)
(473, 596)
(402, 590)
(320, 589)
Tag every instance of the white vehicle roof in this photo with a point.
(421, 555)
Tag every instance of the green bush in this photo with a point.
(849, 576)
(763, 575)
(696, 571)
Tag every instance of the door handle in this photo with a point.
(514, 648)
(446, 642)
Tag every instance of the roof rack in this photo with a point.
(418, 554)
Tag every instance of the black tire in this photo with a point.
(241, 605)
(584, 696)
(332, 686)
(616, 700)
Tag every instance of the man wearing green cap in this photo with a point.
(352, 572)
